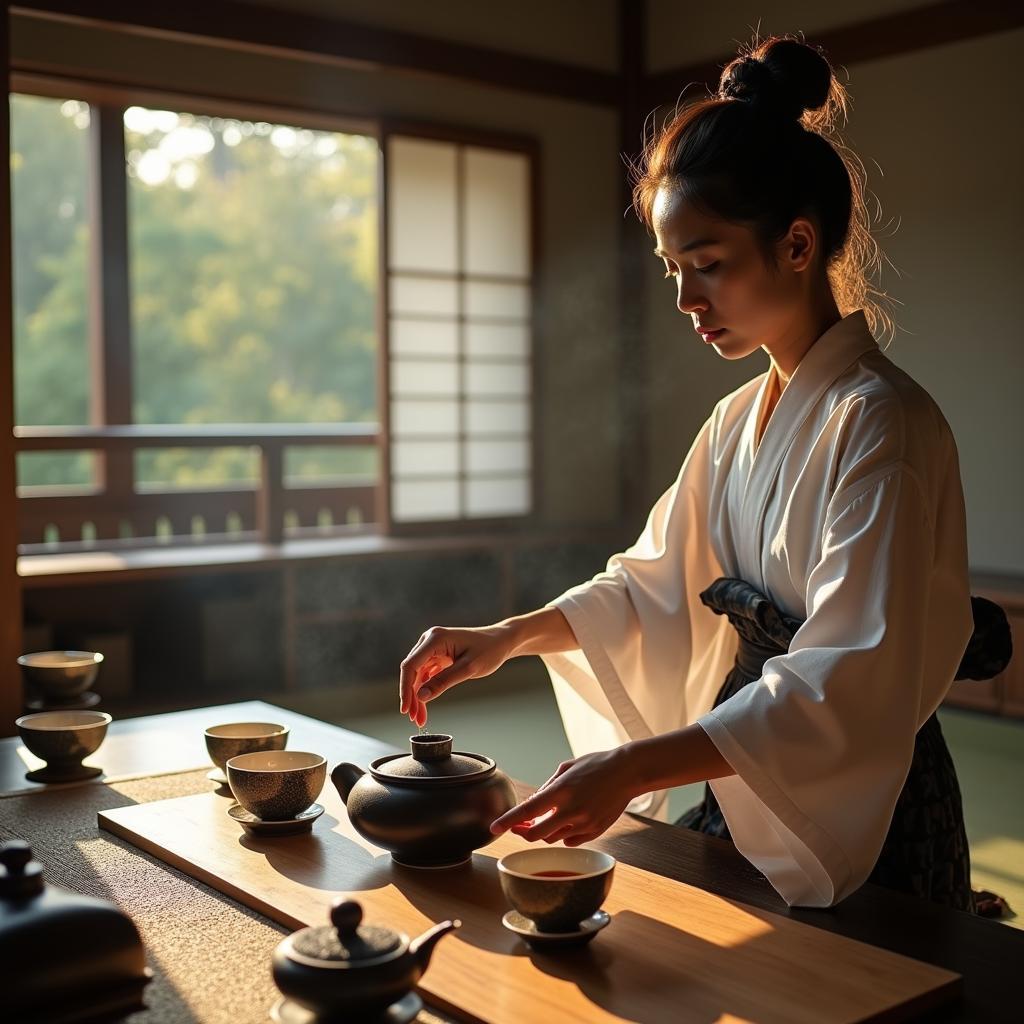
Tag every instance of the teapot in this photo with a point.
(349, 970)
(431, 808)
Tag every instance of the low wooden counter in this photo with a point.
(985, 953)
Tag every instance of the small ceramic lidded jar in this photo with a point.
(348, 968)
(432, 807)
(65, 956)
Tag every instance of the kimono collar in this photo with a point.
(841, 345)
(825, 361)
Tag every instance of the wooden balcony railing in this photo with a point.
(119, 514)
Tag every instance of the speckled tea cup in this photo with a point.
(276, 785)
(224, 742)
(556, 904)
(63, 739)
(61, 675)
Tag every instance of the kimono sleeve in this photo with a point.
(641, 629)
(822, 742)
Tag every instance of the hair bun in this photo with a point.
(782, 75)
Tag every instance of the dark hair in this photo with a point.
(764, 151)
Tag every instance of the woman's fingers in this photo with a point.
(443, 678)
(546, 826)
(525, 813)
(560, 770)
(419, 698)
(560, 834)
(580, 838)
(425, 656)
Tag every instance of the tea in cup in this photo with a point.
(556, 888)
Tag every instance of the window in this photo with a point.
(222, 279)
(50, 181)
(254, 286)
(459, 289)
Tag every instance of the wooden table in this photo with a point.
(985, 953)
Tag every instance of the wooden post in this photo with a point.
(634, 461)
(110, 335)
(10, 585)
(270, 503)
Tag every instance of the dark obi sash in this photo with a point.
(925, 851)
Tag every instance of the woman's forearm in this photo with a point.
(676, 758)
(545, 631)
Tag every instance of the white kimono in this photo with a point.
(849, 514)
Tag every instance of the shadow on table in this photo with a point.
(471, 893)
(330, 862)
(323, 859)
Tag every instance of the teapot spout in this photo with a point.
(344, 777)
(423, 947)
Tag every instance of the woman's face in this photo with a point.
(723, 281)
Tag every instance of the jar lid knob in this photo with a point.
(346, 916)
(22, 876)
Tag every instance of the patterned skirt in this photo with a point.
(925, 852)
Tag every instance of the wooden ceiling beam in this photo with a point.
(243, 26)
(891, 35)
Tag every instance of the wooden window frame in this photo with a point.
(110, 327)
(522, 145)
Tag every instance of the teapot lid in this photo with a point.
(432, 763)
(345, 942)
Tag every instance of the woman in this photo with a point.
(812, 550)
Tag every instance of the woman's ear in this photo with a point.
(798, 248)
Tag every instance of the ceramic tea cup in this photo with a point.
(224, 742)
(276, 785)
(60, 675)
(556, 887)
(63, 739)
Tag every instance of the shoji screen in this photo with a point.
(459, 308)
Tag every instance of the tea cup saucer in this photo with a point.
(406, 1010)
(217, 775)
(529, 933)
(302, 822)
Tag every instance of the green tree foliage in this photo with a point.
(49, 158)
(253, 279)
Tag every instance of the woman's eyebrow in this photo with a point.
(695, 244)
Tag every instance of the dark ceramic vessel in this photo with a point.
(277, 784)
(63, 739)
(350, 971)
(60, 675)
(432, 808)
(65, 956)
(556, 904)
(224, 742)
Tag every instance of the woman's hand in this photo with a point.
(446, 657)
(578, 803)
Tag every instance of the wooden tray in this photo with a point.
(672, 953)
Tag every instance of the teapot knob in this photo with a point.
(346, 916)
(431, 746)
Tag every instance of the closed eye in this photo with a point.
(700, 270)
